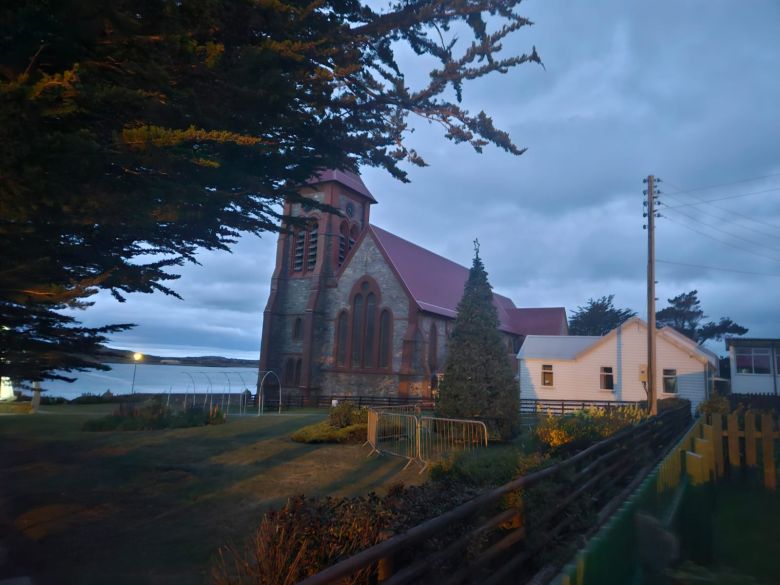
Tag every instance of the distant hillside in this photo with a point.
(121, 356)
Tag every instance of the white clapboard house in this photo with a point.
(613, 366)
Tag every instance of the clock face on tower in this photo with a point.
(350, 210)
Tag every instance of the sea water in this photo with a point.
(154, 379)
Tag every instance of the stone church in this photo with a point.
(356, 310)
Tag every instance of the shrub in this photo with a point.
(308, 534)
(716, 404)
(15, 407)
(487, 468)
(575, 431)
(154, 416)
(325, 432)
(303, 537)
(89, 398)
(50, 400)
(346, 414)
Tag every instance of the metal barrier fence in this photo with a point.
(393, 433)
(424, 439)
(439, 436)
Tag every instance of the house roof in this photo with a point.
(346, 178)
(558, 347)
(571, 347)
(751, 342)
(436, 286)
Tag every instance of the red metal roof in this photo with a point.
(540, 321)
(346, 178)
(436, 285)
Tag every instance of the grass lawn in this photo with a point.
(153, 506)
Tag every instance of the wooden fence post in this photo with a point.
(733, 437)
(750, 439)
(768, 443)
(717, 444)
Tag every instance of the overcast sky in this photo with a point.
(686, 90)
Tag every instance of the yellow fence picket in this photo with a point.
(751, 460)
(704, 448)
(768, 444)
(694, 467)
(733, 438)
(717, 444)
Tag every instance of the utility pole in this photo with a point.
(652, 395)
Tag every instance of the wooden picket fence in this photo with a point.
(724, 445)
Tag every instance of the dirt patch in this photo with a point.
(44, 521)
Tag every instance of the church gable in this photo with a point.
(367, 285)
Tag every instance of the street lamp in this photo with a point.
(137, 357)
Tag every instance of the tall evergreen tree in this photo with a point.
(478, 380)
(134, 133)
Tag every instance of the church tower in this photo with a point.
(307, 262)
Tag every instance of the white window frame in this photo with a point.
(666, 376)
(603, 374)
(752, 351)
(548, 369)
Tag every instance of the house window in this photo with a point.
(777, 363)
(670, 381)
(297, 331)
(752, 360)
(547, 375)
(607, 378)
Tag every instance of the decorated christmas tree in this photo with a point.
(478, 380)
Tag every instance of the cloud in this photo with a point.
(687, 91)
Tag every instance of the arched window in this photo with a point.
(297, 377)
(311, 261)
(363, 336)
(297, 331)
(343, 241)
(289, 372)
(341, 339)
(368, 345)
(433, 348)
(300, 247)
(385, 339)
(357, 330)
(354, 232)
(304, 256)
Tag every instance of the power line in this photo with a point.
(717, 268)
(706, 235)
(725, 232)
(722, 219)
(742, 215)
(725, 198)
(715, 186)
